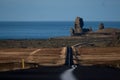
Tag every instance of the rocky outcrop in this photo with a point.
(102, 29)
(78, 27)
(78, 30)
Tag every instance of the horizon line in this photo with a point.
(61, 21)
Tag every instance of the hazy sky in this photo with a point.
(60, 10)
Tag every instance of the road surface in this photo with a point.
(69, 57)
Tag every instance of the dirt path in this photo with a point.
(30, 57)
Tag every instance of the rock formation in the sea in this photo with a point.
(101, 26)
(108, 31)
(78, 30)
(78, 27)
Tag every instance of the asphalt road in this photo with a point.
(69, 57)
(40, 73)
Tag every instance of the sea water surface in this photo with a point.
(44, 29)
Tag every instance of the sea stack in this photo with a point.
(78, 26)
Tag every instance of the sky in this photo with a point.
(59, 10)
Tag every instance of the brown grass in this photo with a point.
(49, 56)
(99, 55)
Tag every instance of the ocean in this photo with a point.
(45, 29)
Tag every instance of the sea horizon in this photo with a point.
(45, 29)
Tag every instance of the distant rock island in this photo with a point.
(78, 29)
